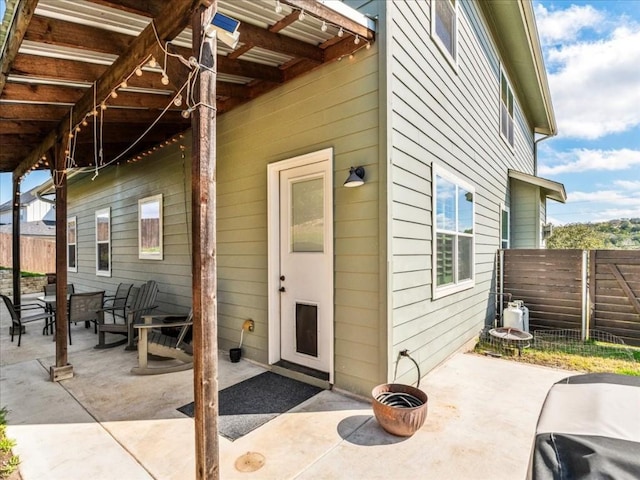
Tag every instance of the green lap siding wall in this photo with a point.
(450, 117)
(335, 106)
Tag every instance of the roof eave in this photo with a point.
(522, 54)
(553, 190)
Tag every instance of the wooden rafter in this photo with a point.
(39, 90)
(168, 24)
(15, 37)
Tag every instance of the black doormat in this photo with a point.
(247, 405)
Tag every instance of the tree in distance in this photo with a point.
(576, 235)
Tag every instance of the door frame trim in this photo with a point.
(273, 248)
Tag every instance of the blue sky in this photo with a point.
(592, 54)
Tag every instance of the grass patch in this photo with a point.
(26, 274)
(8, 461)
(588, 357)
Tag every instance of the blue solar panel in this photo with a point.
(226, 23)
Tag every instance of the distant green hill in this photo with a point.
(622, 234)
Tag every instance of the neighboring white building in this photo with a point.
(32, 209)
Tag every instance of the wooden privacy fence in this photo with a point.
(615, 293)
(37, 254)
(576, 289)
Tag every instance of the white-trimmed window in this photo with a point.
(506, 109)
(72, 244)
(505, 226)
(150, 228)
(453, 224)
(103, 242)
(444, 27)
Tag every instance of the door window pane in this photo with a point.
(307, 216)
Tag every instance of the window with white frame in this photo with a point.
(72, 244)
(506, 109)
(103, 242)
(444, 26)
(150, 228)
(505, 226)
(454, 210)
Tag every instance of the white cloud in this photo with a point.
(593, 60)
(562, 25)
(611, 197)
(580, 160)
(633, 185)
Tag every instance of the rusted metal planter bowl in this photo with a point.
(399, 421)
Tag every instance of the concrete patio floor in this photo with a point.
(106, 423)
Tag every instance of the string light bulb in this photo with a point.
(103, 106)
(85, 123)
(94, 112)
(368, 46)
(186, 113)
(278, 6)
(301, 16)
(164, 80)
(153, 63)
(356, 40)
(178, 100)
(124, 84)
(324, 26)
(138, 72)
(114, 94)
(340, 32)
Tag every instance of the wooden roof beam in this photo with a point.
(52, 31)
(14, 37)
(317, 9)
(25, 112)
(173, 19)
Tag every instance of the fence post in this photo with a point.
(585, 296)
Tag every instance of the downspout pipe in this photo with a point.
(535, 151)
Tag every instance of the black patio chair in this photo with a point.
(49, 291)
(116, 304)
(84, 307)
(18, 320)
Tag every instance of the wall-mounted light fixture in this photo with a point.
(224, 28)
(356, 177)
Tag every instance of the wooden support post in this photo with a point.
(62, 369)
(15, 239)
(203, 197)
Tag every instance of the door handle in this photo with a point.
(282, 289)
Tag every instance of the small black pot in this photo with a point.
(235, 354)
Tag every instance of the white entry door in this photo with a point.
(305, 276)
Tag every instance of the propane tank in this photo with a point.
(525, 314)
(513, 316)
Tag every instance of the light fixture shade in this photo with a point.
(356, 177)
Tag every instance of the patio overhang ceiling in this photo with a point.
(549, 188)
(62, 59)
